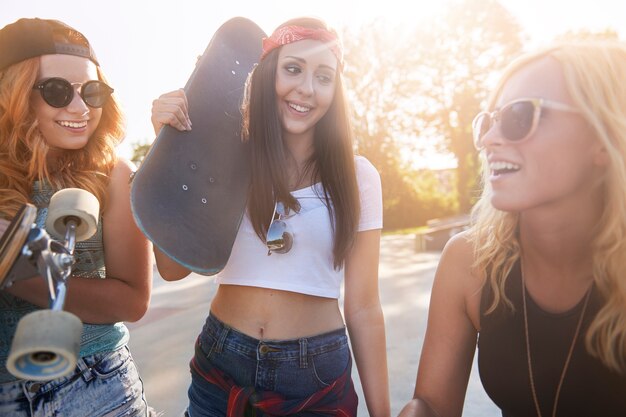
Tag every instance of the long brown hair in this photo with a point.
(332, 162)
(23, 150)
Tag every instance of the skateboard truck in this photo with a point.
(46, 343)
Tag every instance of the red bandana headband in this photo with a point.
(289, 34)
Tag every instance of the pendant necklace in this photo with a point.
(569, 354)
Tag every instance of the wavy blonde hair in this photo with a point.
(23, 150)
(594, 74)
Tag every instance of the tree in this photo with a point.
(381, 87)
(460, 54)
(140, 150)
(427, 83)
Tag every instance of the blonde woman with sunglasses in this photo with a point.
(59, 125)
(540, 279)
(274, 341)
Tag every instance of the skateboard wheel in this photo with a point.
(77, 204)
(45, 346)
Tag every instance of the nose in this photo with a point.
(77, 105)
(306, 84)
(492, 137)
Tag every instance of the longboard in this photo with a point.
(190, 192)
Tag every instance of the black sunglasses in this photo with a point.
(518, 119)
(278, 239)
(59, 92)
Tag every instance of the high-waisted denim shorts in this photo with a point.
(104, 384)
(294, 368)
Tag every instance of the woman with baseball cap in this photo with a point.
(59, 125)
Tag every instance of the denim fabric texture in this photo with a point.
(104, 384)
(294, 368)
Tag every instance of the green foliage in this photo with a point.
(140, 150)
(426, 83)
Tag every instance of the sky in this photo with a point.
(149, 47)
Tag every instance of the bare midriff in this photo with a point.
(269, 314)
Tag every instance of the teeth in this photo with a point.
(299, 108)
(74, 125)
(499, 166)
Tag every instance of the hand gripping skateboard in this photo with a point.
(189, 195)
(47, 342)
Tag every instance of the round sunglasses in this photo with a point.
(518, 119)
(278, 239)
(59, 92)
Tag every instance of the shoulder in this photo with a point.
(457, 260)
(119, 183)
(460, 247)
(366, 174)
(459, 255)
(122, 170)
(364, 168)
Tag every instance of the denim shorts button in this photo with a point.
(35, 387)
(264, 349)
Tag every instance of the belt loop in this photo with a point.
(303, 353)
(221, 339)
(84, 370)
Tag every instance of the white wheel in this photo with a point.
(45, 346)
(73, 203)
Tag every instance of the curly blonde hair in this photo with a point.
(23, 149)
(594, 72)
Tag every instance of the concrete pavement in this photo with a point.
(162, 342)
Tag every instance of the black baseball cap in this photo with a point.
(29, 38)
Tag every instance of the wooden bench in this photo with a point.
(439, 231)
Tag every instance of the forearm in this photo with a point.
(367, 335)
(93, 300)
(169, 269)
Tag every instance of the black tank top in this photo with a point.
(589, 389)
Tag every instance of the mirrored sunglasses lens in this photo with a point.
(95, 93)
(57, 92)
(517, 120)
(278, 239)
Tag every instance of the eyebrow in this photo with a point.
(299, 59)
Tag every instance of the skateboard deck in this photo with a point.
(190, 192)
(13, 240)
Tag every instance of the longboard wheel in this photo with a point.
(73, 203)
(45, 346)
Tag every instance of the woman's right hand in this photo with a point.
(171, 109)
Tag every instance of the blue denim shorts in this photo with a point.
(104, 384)
(294, 368)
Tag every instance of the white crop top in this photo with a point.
(308, 267)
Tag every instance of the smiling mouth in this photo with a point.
(500, 168)
(72, 125)
(299, 108)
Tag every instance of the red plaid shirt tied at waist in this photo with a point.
(337, 399)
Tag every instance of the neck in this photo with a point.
(562, 233)
(299, 150)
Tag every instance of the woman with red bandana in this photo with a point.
(59, 125)
(275, 340)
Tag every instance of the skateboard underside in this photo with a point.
(189, 195)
